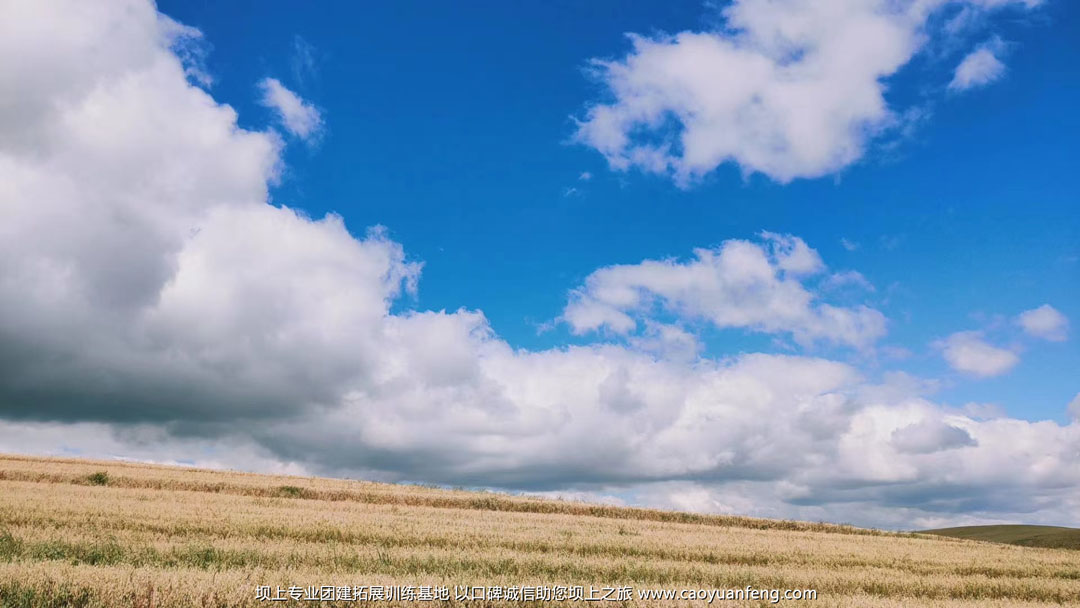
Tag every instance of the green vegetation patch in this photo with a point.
(292, 492)
(1051, 537)
(14, 594)
(100, 478)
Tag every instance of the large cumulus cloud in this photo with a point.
(154, 304)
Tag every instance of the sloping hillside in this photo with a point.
(1054, 537)
(108, 534)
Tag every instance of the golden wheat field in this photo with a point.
(85, 533)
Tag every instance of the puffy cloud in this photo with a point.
(298, 116)
(788, 89)
(966, 351)
(1045, 322)
(1074, 408)
(142, 273)
(979, 68)
(739, 284)
(153, 305)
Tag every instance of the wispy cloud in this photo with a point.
(298, 117)
(303, 60)
(979, 68)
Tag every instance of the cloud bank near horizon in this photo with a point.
(155, 305)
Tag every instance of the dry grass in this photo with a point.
(79, 533)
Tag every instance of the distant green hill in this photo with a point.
(1028, 536)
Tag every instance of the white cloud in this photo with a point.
(298, 116)
(154, 305)
(847, 278)
(739, 284)
(1074, 408)
(966, 351)
(788, 89)
(667, 341)
(1045, 322)
(792, 255)
(979, 68)
(187, 43)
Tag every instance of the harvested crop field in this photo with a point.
(83, 533)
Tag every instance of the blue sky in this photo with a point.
(815, 259)
(452, 128)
